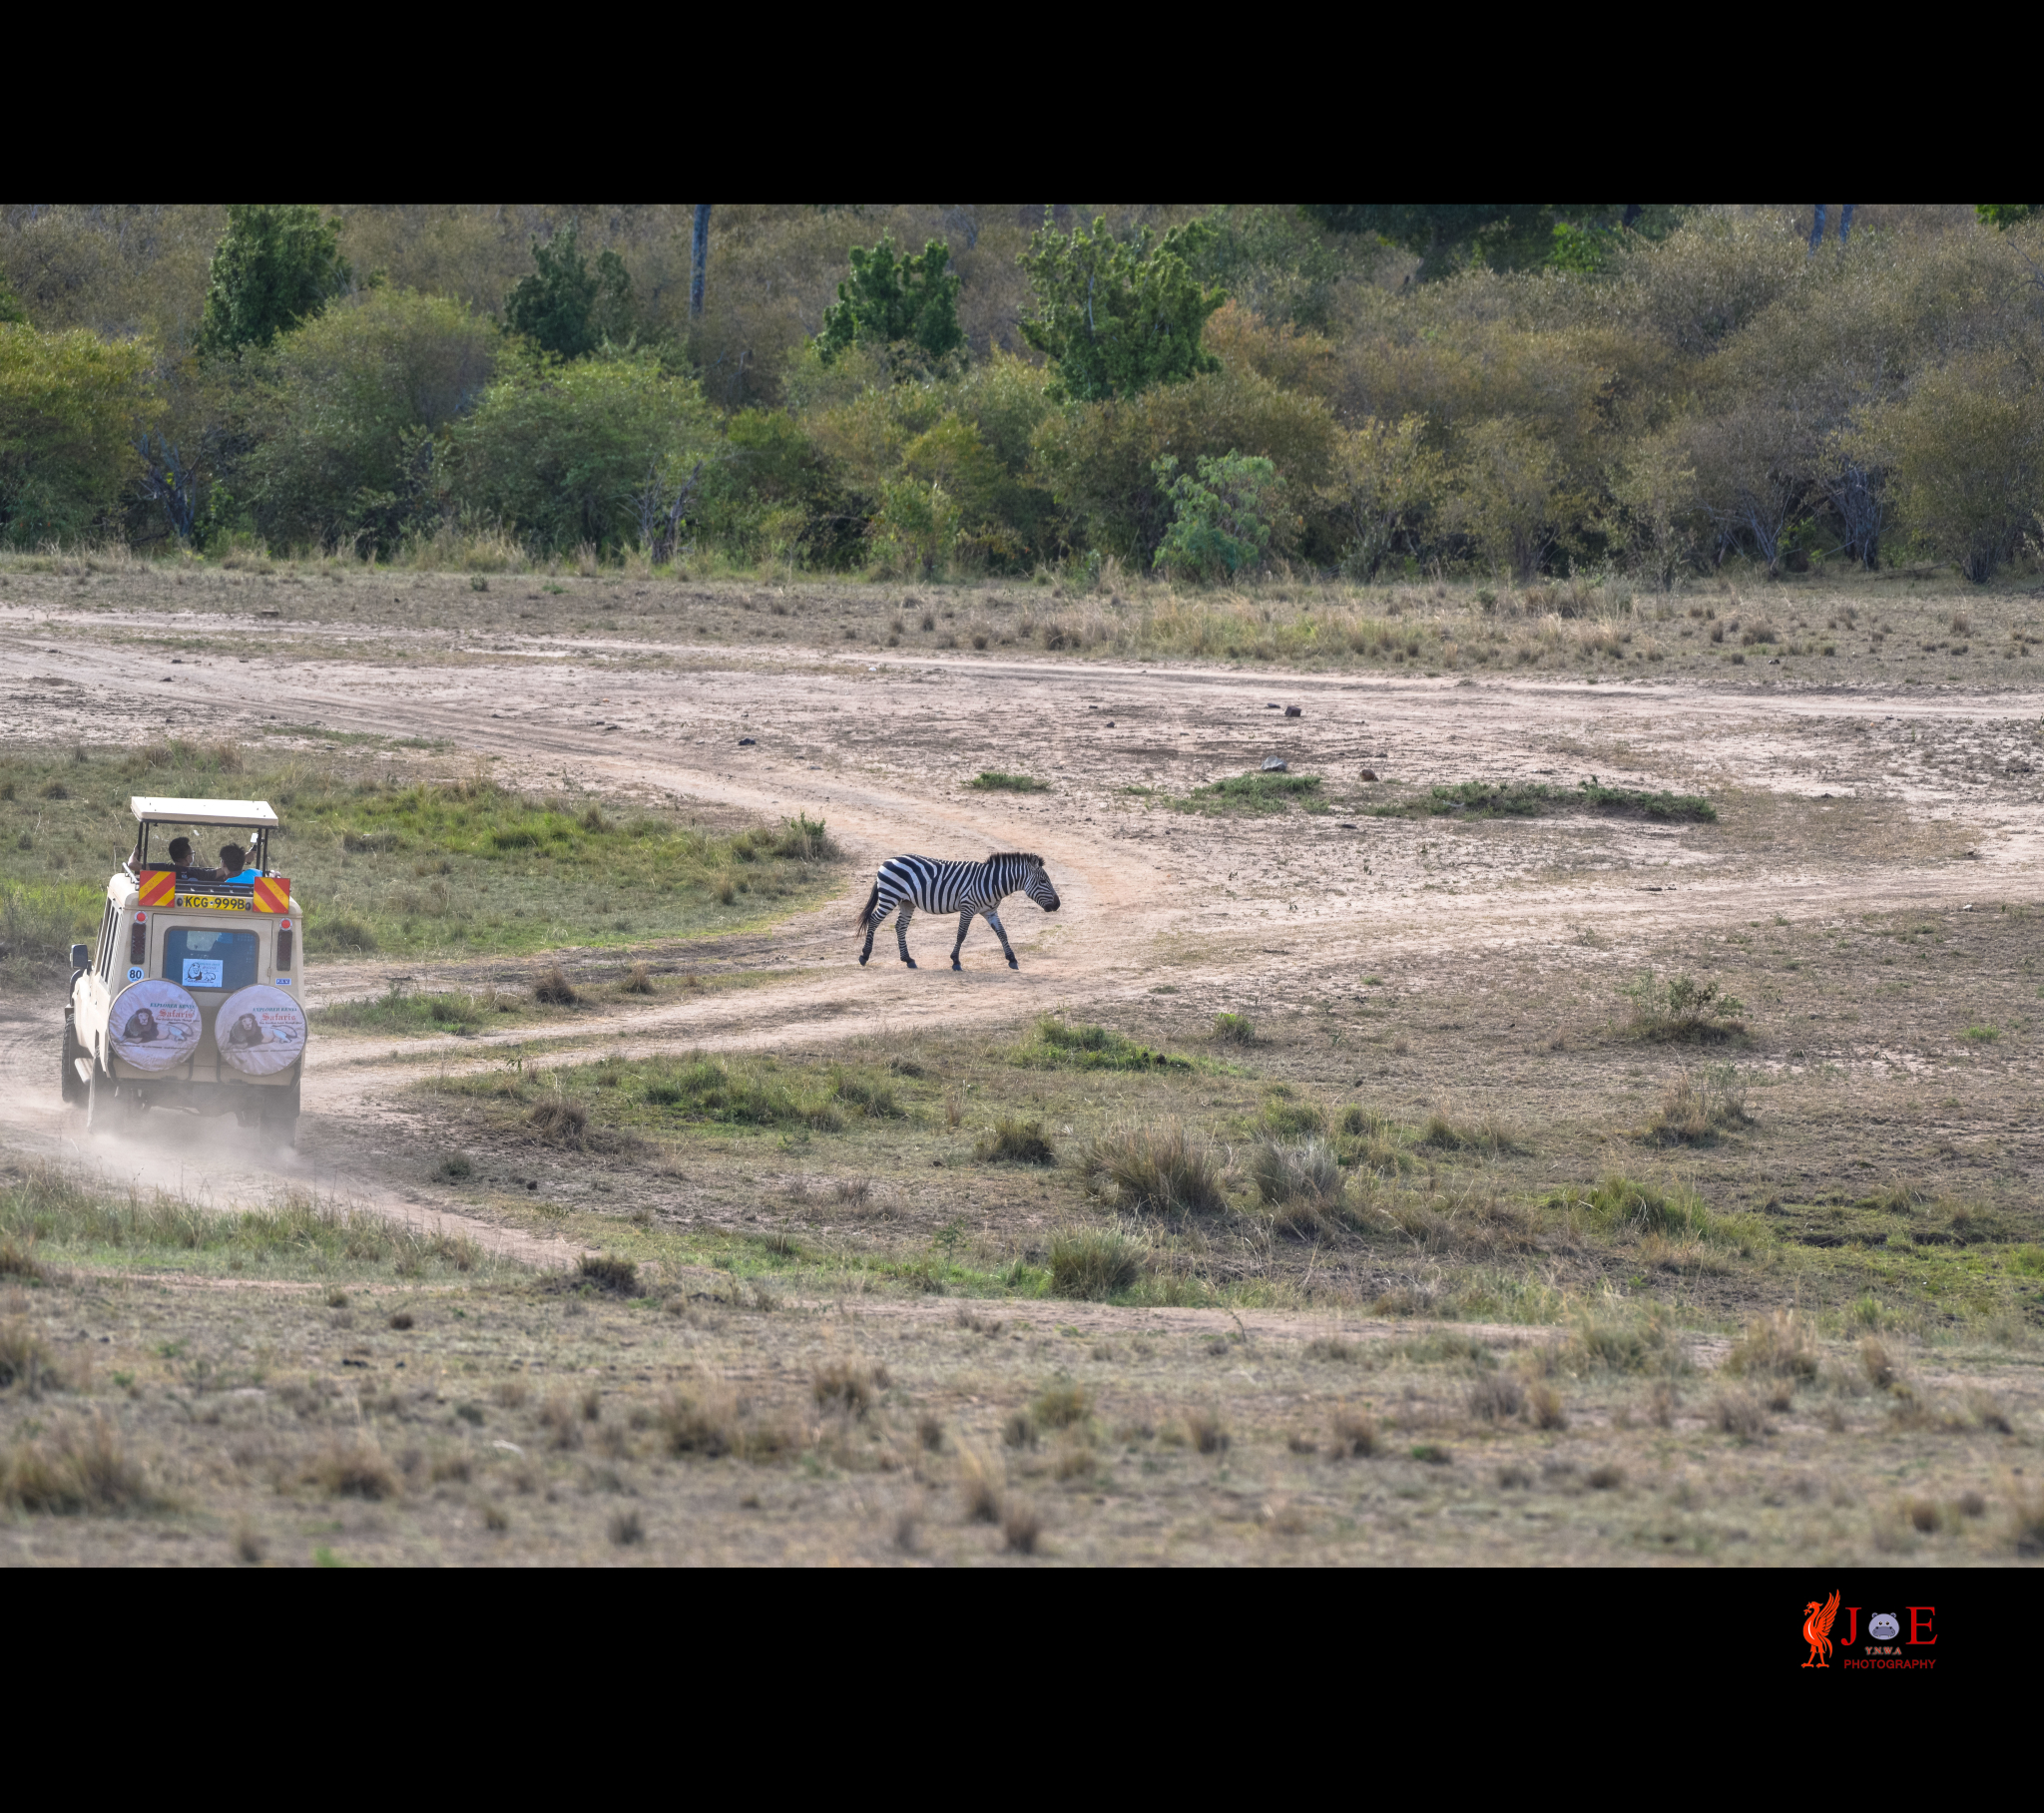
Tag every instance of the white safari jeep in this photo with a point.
(192, 997)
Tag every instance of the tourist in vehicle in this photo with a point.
(188, 870)
(233, 864)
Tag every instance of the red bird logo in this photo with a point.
(1817, 1630)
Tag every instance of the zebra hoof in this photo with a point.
(1013, 964)
(861, 963)
(910, 961)
(956, 965)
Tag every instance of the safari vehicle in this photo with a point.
(193, 997)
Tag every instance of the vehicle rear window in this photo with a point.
(197, 957)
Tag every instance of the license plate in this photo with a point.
(212, 903)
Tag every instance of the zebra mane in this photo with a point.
(1015, 857)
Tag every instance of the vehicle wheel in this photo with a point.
(284, 1128)
(101, 1107)
(75, 1091)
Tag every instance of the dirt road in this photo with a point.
(1832, 801)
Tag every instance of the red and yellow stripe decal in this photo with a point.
(273, 894)
(158, 887)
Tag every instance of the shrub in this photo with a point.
(1235, 1029)
(1117, 316)
(1682, 1009)
(1017, 1142)
(1161, 1168)
(704, 1421)
(1354, 1432)
(1221, 520)
(1060, 1406)
(1741, 1414)
(995, 781)
(638, 979)
(69, 403)
(1094, 1264)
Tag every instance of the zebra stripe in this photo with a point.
(906, 883)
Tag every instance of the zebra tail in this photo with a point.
(866, 912)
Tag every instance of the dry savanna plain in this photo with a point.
(1582, 1108)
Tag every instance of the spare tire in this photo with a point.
(155, 1026)
(259, 1031)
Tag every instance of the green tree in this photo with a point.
(274, 266)
(2005, 214)
(891, 301)
(1221, 520)
(1119, 318)
(71, 406)
(566, 308)
(349, 414)
(560, 453)
(10, 312)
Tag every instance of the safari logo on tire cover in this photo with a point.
(259, 1031)
(155, 1026)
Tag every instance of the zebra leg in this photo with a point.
(901, 920)
(1001, 932)
(964, 926)
(872, 925)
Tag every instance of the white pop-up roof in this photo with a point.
(253, 813)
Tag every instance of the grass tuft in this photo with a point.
(608, 1272)
(1159, 1167)
(77, 1470)
(1015, 1142)
(1094, 1264)
(555, 990)
(1682, 1010)
(353, 1469)
(1233, 1029)
(1775, 1345)
(994, 780)
(1091, 1048)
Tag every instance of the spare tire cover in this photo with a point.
(155, 1026)
(259, 1031)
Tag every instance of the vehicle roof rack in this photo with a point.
(255, 814)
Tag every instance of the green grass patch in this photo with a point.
(994, 780)
(1529, 799)
(396, 1011)
(1255, 794)
(1091, 1048)
(384, 859)
(49, 1210)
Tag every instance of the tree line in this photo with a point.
(954, 390)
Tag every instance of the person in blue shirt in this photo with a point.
(233, 864)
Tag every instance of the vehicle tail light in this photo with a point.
(137, 939)
(283, 948)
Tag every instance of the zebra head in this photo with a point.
(1037, 885)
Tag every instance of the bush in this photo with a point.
(567, 454)
(993, 781)
(1235, 1029)
(1159, 1169)
(1777, 1345)
(1693, 1110)
(70, 404)
(1682, 1009)
(1221, 520)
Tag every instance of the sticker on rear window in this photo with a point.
(201, 973)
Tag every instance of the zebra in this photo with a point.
(964, 888)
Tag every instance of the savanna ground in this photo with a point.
(1625, 1152)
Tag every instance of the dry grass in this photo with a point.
(982, 1484)
(1021, 1529)
(1015, 1142)
(1741, 1414)
(1159, 1169)
(847, 1387)
(353, 1468)
(1496, 1398)
(1206, 1429)
(1777, 1345)
(81, 1469)
(555, 990)
(638, 979)
(25, 1363)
